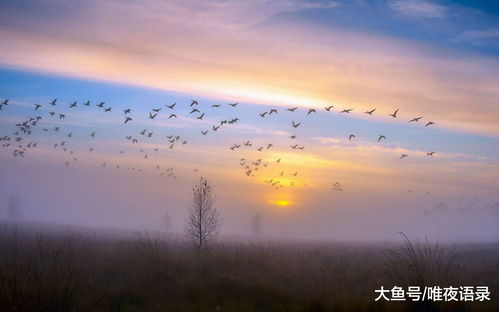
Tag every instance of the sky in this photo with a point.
(438, 60)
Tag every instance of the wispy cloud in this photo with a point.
(419, 8)
(239, 50)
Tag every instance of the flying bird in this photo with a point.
(151, 116)
(172, 115)
(215, 105)
(295, 125)
(328, 108)
(194, 110)
(200, 117)
(347, 110)
(171, 106)
(194, 103)
(403, 156)
(127, 119)
(351, 137)
(107, 109)
(394, 115)
(415, 119)
(51, 103)
(263, 114)
(381, 137)
(312, 110)
(72, 104)
(204, 132)
(101, 104)
(127, 111)
(233, 104)
(292, 109)
(430, 154)
(273, 110)
(370, 112)
(87, 103)
(429, 123)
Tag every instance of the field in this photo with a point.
(58, 269)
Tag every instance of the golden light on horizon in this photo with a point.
(281, 202)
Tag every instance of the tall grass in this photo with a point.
(41, 274)
(153, 272)
(422, 263)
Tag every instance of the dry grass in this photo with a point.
(154, 272)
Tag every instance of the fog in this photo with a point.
(44, 191)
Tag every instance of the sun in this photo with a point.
(280, 203)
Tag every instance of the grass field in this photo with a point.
(74, 270)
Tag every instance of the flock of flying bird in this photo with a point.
(20, 140)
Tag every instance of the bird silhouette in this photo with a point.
(403, 156)
(204, 132)
(263, 114)
(156, 110)
(193, 102)
(172, 116)
(171, 106)
(92, 134)
(107, 109)
(151, 116)
(371, 111)
(328, 108)
(127, 119)
(295, 125)
(233, 104)
(273, 110)
(37, 106)
(415, 119)
(53, 102)
(200, 117)
(429, 123)
(215, 128)
(73, 105)
(215, 105)
(347, 110)
(87, 103)
(127, 111)
(394, 115)
(194, 110)
(351, 137)
(292, 109)
(381, 137)
(101, 104)
(312, 110)
(430, 154)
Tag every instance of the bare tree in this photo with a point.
(256, 224)
(204, 221)
(13, 209)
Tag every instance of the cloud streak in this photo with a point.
(240, 50)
